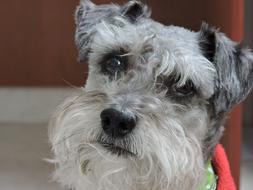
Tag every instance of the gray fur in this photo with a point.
(179, 84)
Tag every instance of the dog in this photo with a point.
(154, 104)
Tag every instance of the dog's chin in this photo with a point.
(116, 150)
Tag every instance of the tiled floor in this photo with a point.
(24, 113)
(24, 144)
(247, 160)
(21, 162)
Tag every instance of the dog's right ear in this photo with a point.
(88, 15)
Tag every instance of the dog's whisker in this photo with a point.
(65, 138)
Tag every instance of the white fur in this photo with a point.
(167, 147)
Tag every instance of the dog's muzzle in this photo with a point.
(116, 124)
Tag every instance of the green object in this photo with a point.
(210, 182)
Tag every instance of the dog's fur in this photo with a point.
(176, 132)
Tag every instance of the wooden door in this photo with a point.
(37, 43)
(37, 39)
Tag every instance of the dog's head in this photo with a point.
(154, 103)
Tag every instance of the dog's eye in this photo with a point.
(114, 65)
(187, 89)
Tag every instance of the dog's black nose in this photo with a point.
(115, 123)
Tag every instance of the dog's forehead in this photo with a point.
(175, 48)
(118, 32)
(174, 37)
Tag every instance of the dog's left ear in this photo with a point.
(234, 66)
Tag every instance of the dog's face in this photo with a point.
(153, 106)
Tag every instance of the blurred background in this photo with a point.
(39, 68)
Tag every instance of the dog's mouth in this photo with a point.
(117, 150)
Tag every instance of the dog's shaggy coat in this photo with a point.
(178, 84)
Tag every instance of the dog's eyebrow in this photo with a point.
(119, 51)
(111, 53)
(173, 80)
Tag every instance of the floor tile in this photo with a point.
(21, 163)
(247, 159)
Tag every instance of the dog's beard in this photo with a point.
(159, 154)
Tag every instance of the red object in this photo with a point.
(222, 169)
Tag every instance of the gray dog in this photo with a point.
(154, 105)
